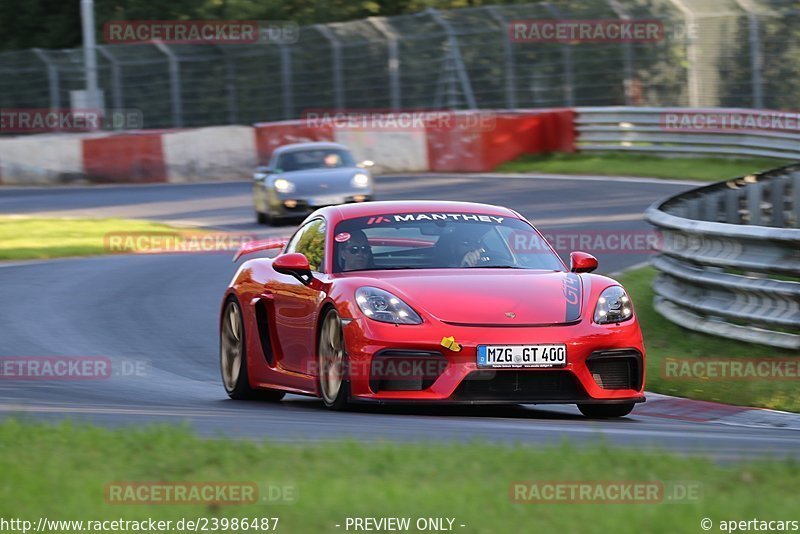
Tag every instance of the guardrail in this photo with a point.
(764, 133)
(729, 261)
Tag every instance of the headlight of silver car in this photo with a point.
(360, 180)
(382, 306)
(282, 185)
(613, 306)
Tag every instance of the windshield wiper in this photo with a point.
(494, 267)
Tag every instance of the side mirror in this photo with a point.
(366, 164)
(261, 174)
(581, 262)
(294, 264)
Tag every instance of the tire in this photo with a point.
(606, 411)
(334, 388)
(263, 218)
(233, 357)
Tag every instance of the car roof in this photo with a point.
(320, 145)
(368, 209)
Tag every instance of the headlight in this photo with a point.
(613, 306)
(382, 306)
(360, 180)
(282, 185)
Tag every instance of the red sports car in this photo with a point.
(429, 302)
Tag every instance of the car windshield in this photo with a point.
(301, 160)
(440, 241)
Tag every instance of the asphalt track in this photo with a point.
(160, 313)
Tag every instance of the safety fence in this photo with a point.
(708, 53)
(729, 262)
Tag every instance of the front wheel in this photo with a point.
(606, 411)
(334, 388)
(233, 357)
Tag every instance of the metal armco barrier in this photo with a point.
(729, 262)
(774, 134)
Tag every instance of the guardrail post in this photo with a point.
(174, 84)
(732, 206)
(777, 199)
(754, 195)
(711, 207)
(796, 198)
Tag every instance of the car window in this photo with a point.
(309, 240)
(440, 241)
(300, 160)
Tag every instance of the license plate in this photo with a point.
(329, 200)
(551, 355)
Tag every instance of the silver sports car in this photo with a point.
(305, 176)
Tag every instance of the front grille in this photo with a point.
(405, 370)
(519, 386)
(616, 369)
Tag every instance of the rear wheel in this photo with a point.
(333, 386)
(263, 218)
(233, 357)
(606, 411)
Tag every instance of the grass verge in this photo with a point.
(24, 238)
(665, 340)
(611, 164)
(62, 472)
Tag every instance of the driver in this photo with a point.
(461, 249)
(332, 159)
(355, 253)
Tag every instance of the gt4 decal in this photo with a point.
(572, 295)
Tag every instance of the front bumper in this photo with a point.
(605, 364)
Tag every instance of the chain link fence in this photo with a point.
(733, 53)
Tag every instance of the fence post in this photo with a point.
(286, 81)
(230, 86)
(52, 78)
(394, 60)
(627, 53)
(116, 77)
(566, 61)
(508, 48)
(455, 51)
(174, 84)
(754, 203)
(693, 74)
(756, 57)
(336, 52)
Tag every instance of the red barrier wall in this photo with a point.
(126, 158)
(270, 136)
(470, 148)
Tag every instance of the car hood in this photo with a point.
(490, 297)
